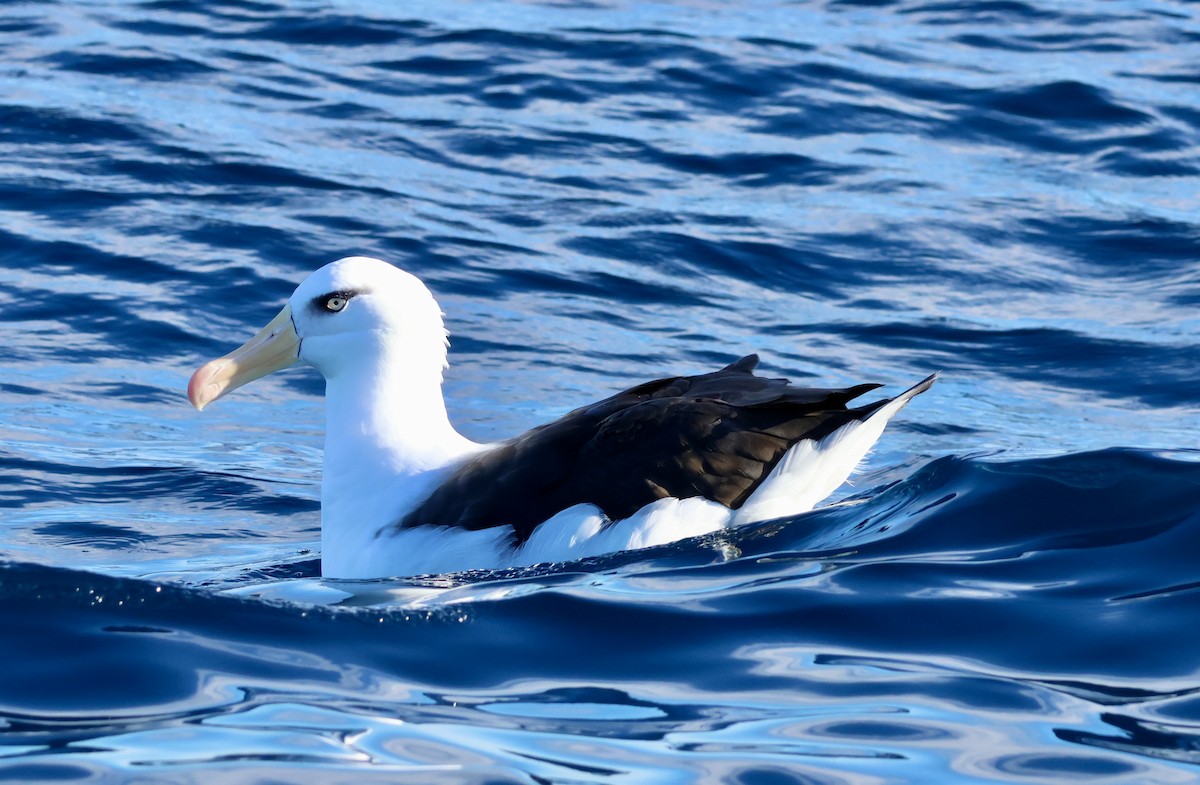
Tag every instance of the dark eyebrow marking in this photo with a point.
(320, 300)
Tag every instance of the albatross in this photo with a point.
(403, 493)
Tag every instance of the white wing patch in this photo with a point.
(812, 470)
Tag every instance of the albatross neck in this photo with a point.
(390, 422)
(388, 443)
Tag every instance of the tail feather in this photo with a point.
(813, 469)
(900, 400)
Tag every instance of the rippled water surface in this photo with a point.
(600, 193)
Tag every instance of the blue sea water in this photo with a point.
(600, 193)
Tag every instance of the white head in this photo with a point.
(355, 315)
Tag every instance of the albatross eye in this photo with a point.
(333, 301)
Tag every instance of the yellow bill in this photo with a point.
(275, 346)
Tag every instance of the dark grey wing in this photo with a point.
(716, 435)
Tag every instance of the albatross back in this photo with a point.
(716, 436)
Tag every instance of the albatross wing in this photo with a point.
(717, 436)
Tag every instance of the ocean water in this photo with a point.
(600, 193)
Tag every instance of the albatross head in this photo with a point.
(352, 316)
